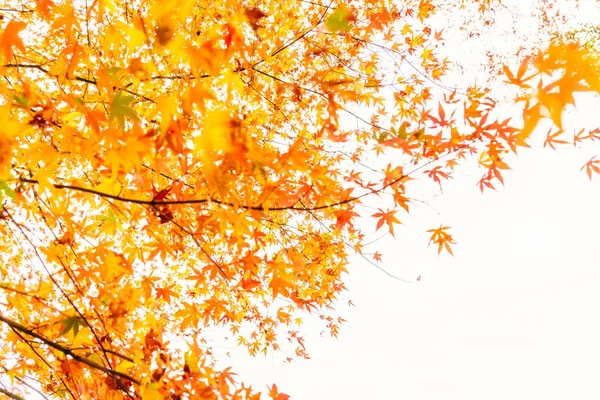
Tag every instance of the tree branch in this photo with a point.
(77, 78)
(66, 351)
(11, 395)
(156, 203)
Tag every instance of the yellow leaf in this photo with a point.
(150, 392)
(168, 108)
(10, 128)
(215, 138)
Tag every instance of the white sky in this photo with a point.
(514, 315)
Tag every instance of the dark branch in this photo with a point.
(77, 78)
(67, 351)
(156, 203)
(11, 395)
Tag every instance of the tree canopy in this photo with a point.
(170, 166)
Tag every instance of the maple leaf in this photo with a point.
(380, 19)
(519, 79)
(442, 238)
(44, 7)
(10, 38)
(71, 324)
(425, 10)
(592, 166)
(254, 16)
(167, 108)
(275, 395)
(386, 217)
(120, 108)
(280, 284)
(215, 138)
(551, 139)
(166, 293)
(436, 173)
(345, 217)
(377, 256)
(164, 32)
(339, 20)
(6, 190)
(188, 316)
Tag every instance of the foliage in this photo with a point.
(170, 166)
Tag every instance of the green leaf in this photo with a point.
(7, 191)
(110, 216)
(71, 324)
(21, 99)
(112, 72)
(401, 132)
(95, 358)
(381, 136)
(120, 108)
(339, 20)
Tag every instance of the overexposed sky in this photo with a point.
(514, 315)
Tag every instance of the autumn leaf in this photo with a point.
(216, 134)
(339, 20)
(6, 190)
(44, 7)
(164, 32)
(10, 38)
(167, 108)
(275, 395)
(377, 256)
(518, 79)
(591, 167)
(280, 284)
(551, 139)
(254, 16)
(71, 324)
(166, 293)
(380, 19)
(121, 108)
(436, 174)
(442, 238)
(345, 217)
(388, 218)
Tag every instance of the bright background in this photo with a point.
(514, 315)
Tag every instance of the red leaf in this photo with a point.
(275, 395)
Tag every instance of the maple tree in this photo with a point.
(168, 166)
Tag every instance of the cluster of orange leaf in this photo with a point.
(167, 166)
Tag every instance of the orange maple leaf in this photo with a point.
(275, 395)
(386, 217)
(592, 166)
(442, 238)
(344, 217)
(10, 38)
(379, 19)
(44, 7)
(377, 256)
(166, 293)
